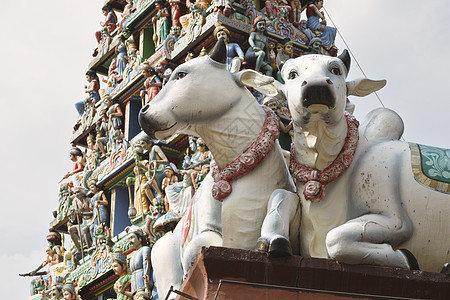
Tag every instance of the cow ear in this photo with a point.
(363, 87)
(266, 85)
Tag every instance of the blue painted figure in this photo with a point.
(91, 89)
(99, 203)
(142, 277)
(235, 55)
(327, 34)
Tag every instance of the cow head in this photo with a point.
(315, 87)
(198, 91)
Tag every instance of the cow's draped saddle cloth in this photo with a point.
(431, 166)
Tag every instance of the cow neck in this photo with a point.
(316, 180)
(248, 160)
(230, 135)
(318, 143)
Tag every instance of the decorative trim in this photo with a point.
(315, 180)
(420, 176)
(248, 160)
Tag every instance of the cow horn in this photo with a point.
(345, 57)
(219, 52)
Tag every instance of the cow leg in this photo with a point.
(203, 239)
(166, 263)
(369, 240)
(282, 208)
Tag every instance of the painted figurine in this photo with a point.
(57, 289)
(258, 52)
(317, 24)
(142, 278)
(175, 10)
(296, 6)
(77, 157)
(122, 286)
(79, 219)
(121, 58)
(92, 89)
(161, 26)
(69, 292)
(152, 84)
(171, 178)
(235, 55)
(110, 22)
(99, 203)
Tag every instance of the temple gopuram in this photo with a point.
(128, 189)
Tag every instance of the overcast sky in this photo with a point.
(47, 46)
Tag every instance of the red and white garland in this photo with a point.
(315, 180)
(248, 160)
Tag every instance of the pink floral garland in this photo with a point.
(315, 180)
(248, 160)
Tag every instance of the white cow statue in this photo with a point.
(203, 99)
(360, 202)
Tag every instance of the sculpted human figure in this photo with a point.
(142, 278)
(99, 203)
(121, 58)
(77, 157)
(69, 292)
(109, 23)
(161, 26)
(80, 217)
(317, 23)
(258, 52)
(176, 12)
(171, 178)
(57, 289)
(296, 11)
(152, 84)
(122, 286)
(235, 55)
(92, 89)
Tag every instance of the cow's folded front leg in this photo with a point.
(371, 239)
(282, 214)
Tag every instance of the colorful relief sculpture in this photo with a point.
(218, 203)
(152, 84)
(192, 22)
(296, 6)
(235, 55)
(109, 24)
(258, 53)
(198, 177)
(179, 194)
(202, 157)
(102, 136)
(170, 179)
(326, 33)
(76, 174)
(57, 288)
(125, 15)
(80, 217)
(121, 58)
(91, 89)
(161, 23)
(99, 203)
(339, 177)
(175, 10)
(223, 6)
(142, 277)
(122, 286)
(69, 292)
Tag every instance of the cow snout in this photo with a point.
(147, 123)
(318, 91)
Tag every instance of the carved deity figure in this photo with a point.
(161, 23)
(76, 156)
(175, 10)
(142, 278)
(69, 292)
(122, 286)
(121, 58)
(109, 24)
(317, 24)
(170, 179)
(152, 83)
(57, 289)
(258, 52)
(99, 203)
(235, 55)
(92, 90)
(80, 217)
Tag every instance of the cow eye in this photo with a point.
(292, 75)
(335, 71)
(180, 75)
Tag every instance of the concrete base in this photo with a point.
(222, 273)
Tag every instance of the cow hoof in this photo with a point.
(262, 245)
(280, 247)
(412, 261)
(446, 269)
